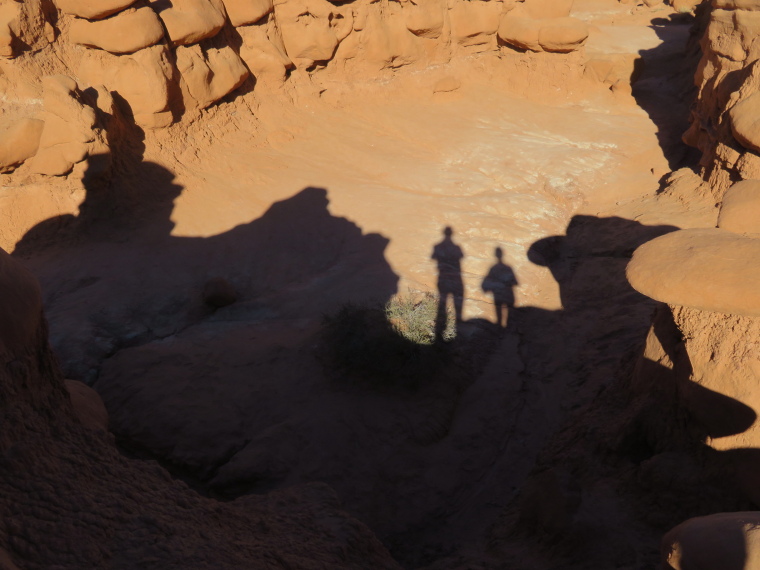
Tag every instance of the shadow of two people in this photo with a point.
(500, 282)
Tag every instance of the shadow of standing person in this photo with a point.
(448, 256)
(500, 282)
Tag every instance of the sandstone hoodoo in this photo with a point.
(379, 284)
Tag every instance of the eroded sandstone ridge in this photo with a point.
(164, 60)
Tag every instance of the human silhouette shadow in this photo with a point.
(500, 282)
(114, 276)
(448, 256)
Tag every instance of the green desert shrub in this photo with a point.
(413, 316)
(384, 345)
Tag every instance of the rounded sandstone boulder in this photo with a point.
(740, 209)
(126, 32)
(745, 122)
(244, 12)
(520, 32)
(562, 34)
(707, 269)
(723, 541)
(18, 142)
(190, 21)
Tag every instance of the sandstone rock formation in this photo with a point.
(543, 26)
(708, 277)
(93, 9)
(723, 124)
(19, 141)
(245, 12)
(740, 208)
(209, 75)
(70, 131)
(113, 508)
(190, 21)
(127, 32)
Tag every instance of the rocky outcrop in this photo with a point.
(709, 277)
(190, 21)
(543, 26)
(723, 122)
(208, 75)
(127, 32)
(19, 141)
(64, 483)
(70, 132)
(167, 58)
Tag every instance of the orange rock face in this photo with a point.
(127, 32)
(69, 134)
(209, 75)
(244, 12)
(740, 209)
(190, 21)
(543, 27)
(18, 142)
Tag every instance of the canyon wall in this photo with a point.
(723, 123)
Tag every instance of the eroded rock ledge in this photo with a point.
(164, 60)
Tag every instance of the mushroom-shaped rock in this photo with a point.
(708, 269)
(724, 541)
(69, 134)
(562, 34)
(211, 74)
(520, 31)
(745, 122)
(92, 9)
(19, 142)
(475, 23)
(540, 9)
(189, 21)
(88, 405)
(244, 12)
(127, 32)
(740, 209)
